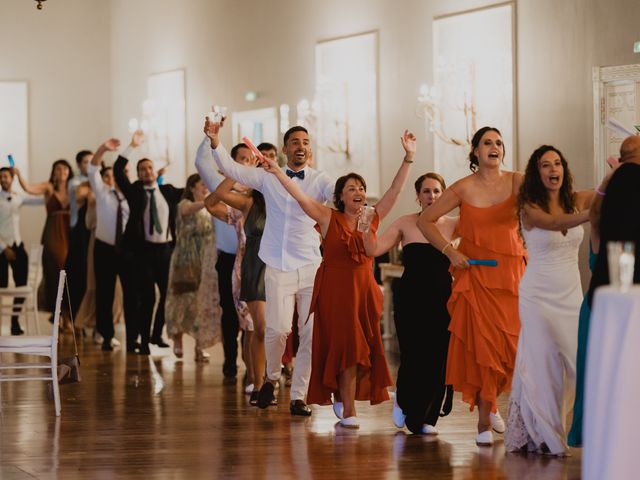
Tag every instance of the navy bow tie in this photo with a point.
(291, 174)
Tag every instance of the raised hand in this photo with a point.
(408, 140)
(212, 130)
(271, 165)
(112, 144)
(137, 138)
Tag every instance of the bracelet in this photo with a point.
(407, 161)
(599, 192)
(445, 247)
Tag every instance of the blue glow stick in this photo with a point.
(11, 162)
(484, 263)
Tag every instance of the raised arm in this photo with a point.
(390, 197)
(121, 176)
(216, 208)
(534, 216)
(224, 193)
(206, 166)
(376, 246)
(35, 188)
(189, 208)
(244, 174)
(427, 225)
(313, 208)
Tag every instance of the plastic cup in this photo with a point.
(365, 219)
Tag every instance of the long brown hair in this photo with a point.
(191, 182)
(533, 190)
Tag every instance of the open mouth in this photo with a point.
(300, 154)
(494, 155)
(358, 199)
(554, 179)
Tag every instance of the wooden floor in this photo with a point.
(158, 418)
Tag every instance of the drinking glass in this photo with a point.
(626, 264)
(365, 219)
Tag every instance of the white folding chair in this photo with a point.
(36, 345)
(29, 292)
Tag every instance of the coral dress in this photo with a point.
(347, 308)
(484, 303)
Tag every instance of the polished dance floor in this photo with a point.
(158, 418)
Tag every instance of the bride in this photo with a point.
(543, 387)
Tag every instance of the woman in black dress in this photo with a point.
(425, 286)
(251, 204)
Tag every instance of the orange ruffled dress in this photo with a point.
(347, 307)
(484, 303)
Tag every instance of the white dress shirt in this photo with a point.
(10, 203)
(163, 216)
(106, 207)
(226, 237)
(289, 241)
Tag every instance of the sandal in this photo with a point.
(177, 347)
(201, 357)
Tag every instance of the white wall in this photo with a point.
(88, 62)
(62, 52)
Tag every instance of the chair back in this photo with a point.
(35, 263)
(58, 309)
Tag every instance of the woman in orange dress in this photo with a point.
(484, 300)
(347, 360)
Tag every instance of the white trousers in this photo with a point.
(283, 291)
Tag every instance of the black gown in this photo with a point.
(252, 268)
(422, 327)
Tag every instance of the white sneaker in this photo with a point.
(497, 423)
(338, 409)
(484, 439)
(397, 415)
(429, 430)
(350, 422)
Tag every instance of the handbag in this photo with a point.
(184, 279)
(185, 272)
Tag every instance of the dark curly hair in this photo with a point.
(475, 142)
(533, 190)
(340, 183)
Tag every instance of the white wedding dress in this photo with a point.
(543, 386)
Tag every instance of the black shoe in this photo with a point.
(229, 371)
(159, 342)
(144, 350)
(253, 399)
(133, 347)
(106, 346)
(16, 330)
(298, 407)
(265, 395)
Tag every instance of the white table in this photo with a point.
(611, 431)
(388, 271)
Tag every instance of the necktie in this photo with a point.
(154, 221)
(291, 174)
(118, 221)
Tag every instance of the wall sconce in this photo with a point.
(39, 2)
(428, 108)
